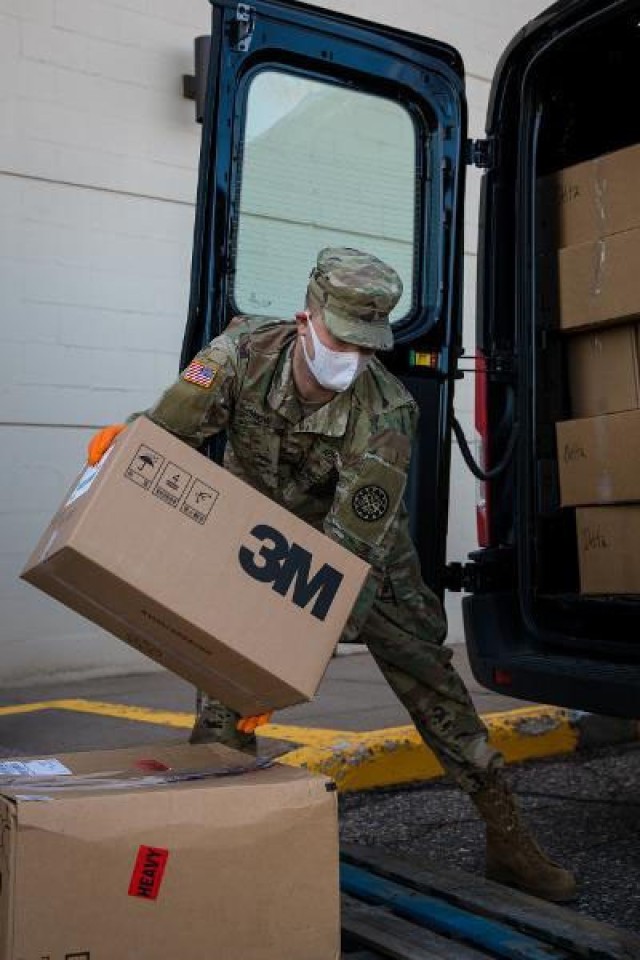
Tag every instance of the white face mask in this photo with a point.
(333, 369)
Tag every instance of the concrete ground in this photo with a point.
(353, 696)
(584, 808)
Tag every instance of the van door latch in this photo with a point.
(492, 569)
(480, 153)
(242, 27)
(460, 577)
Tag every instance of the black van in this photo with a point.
(320, 128)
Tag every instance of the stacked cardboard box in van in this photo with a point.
(590, 217)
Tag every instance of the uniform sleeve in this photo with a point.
(199, 404)
(368, 509)
(367, 506)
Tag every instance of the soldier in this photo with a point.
(317, 423)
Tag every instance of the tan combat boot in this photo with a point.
(216, 723)
(513, 856)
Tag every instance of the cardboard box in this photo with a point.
(609, 557)
(599, 283)
(604, 371)
(590, 200)
(599, 459)
(194, 568)
(160, 853)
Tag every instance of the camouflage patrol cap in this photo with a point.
(357, 292)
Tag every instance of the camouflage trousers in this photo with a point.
(405, 634)
(405, 629)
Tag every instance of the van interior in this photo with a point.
(584, 91)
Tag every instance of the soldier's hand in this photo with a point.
(250, 724)
(101, 441)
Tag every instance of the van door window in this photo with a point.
(323, 165)
(321, 129)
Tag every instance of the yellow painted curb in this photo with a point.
(361, 761)
(309, 736)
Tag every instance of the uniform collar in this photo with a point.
(330, 420)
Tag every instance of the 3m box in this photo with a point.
(598, 283)
(197, 570)
(599, 459)
(160, 853)
(590, 200)
(608, 553)
(604, 371)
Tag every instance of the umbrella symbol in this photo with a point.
(146, 461)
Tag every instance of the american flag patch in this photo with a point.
(203, 374)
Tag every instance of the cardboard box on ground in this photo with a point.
(166, 852)
(194, 568)
(589, 231)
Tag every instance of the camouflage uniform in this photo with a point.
(342, 468)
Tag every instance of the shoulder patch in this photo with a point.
(370, 503)
(202, 374)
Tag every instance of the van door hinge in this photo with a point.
(480, 153)
(242, 27)
(501, 366)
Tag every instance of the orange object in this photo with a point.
(250, 724)
(101, 441)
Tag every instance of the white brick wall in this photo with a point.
(98, 157)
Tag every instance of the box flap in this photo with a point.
(134, 769)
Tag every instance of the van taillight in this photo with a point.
(502, 678)
(483, 492)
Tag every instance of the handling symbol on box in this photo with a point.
(144, 467)
(172, 484)
(199, 501)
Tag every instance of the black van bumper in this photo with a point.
(507, 657)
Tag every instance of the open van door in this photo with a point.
(324, 130)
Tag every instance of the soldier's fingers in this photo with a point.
(100, 443)
(250, 724)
